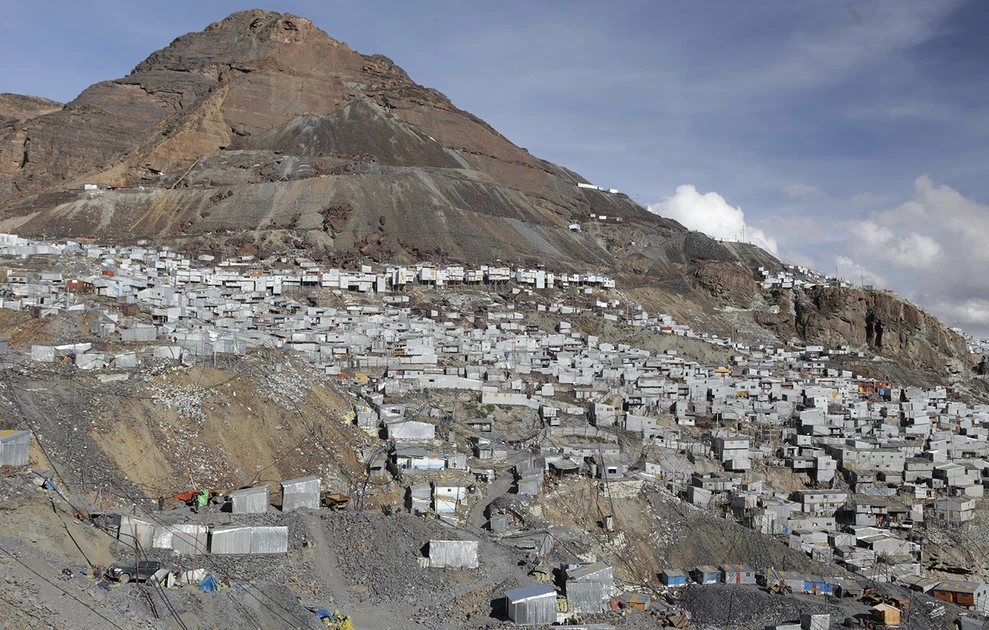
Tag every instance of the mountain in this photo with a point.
(263, 134)
(263, 123)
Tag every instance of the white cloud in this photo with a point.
(972, 315)
(711, 214)
(804, 191)
(934, 249)
(881, 242)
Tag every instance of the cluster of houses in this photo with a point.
(233, 539)
(876, 459)
(797, 277)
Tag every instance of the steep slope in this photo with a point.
(15, 108)
(263, 123)
(263, 134)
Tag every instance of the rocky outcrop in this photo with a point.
(731, 283)
(884, 323)
(15, 108)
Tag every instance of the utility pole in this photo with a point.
(137, 557)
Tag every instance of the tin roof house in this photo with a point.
(963, 593)
(454, 554)
(535, 605)
(737, 574)
(411, 431)
(704, 574)
(673, 577)
(300, 493)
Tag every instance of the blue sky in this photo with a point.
(821, 121)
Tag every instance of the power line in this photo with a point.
(216, 563)
(84, 604)
(156, 585)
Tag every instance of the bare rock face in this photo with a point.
(887, 325)
(732, 283)
(15, 108)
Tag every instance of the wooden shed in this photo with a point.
(886, 614)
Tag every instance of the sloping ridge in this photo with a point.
(263, 124)
(262, 133)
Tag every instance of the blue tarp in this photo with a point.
(322, 613)
(208, 584)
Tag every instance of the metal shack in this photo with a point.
(972, 594)
(704, 574)
(447, 497)
(530, 482)
(269, 539)
(588, 587)
(250, 500)
(419, 498)
(673, 577)
(411, 430)
(778, 577)
(845, 587)
(189, 539)
(532, 606)
(817, 585)
(125, 361)
(162, 537)
(454, 554)
(809, 621)
(737, 574)
(230, 539)
(585, 597)
(14, 447)
(131, 528)
(300, 493)
(43, 354)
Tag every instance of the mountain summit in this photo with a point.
(263, 123)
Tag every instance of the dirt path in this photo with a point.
(498, 488)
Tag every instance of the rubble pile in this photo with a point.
(738, 608)
(379, 555)
(186, 401)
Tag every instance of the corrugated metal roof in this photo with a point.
(531, 592)
(960, 586)
(582, 572)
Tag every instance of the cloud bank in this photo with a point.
(933, 249)
(711, 214)
(937, 245)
